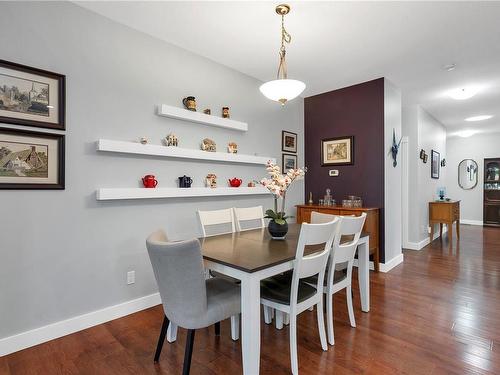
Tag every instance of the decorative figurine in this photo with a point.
(171, 140)
(208, 145)
(311, 202)
(328, 198)
(251, 184)
(232, 148)
(211, 180)
(395, 148)
(190, 103)
(443, 163)
(207, 111)
(143, 140)
(225, 112)
(235, 182)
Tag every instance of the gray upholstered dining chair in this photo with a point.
(188, 299)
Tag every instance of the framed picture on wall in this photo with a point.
(31, 97)
(289, 161)
(288, 141)
(435, 163)
(337, 151)
(31, 160)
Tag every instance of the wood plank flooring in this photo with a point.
(437, 313)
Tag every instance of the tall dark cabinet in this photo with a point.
(491, 202)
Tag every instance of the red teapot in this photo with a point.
(149, 181)
(235, 182)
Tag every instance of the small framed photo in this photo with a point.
(288, 141)
(435, 163)
(337, 151)
(31, 97)
(289, 161)
(31, 160)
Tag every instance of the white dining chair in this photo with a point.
(248, 218)
(341, 254)
(215, 223)
(290, 295)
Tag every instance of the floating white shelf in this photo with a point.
(177, 152)
(201, 118)
(144, 193)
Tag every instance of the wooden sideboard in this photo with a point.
(444, 212)
(371, 223)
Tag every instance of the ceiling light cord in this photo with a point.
(285, 38)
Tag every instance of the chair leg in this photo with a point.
(172, 332)
(268, 315)
(286, 319)
(349, 306)
(321, 325)
(217, 329)
(293, 345)
(189, 352)
(329, 318)
(279, 319)
(235, 327)
(161, 339)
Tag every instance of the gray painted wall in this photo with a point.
(62, 252)
(478, 147)
(392, 175)
(423, 132)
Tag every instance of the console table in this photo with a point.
(444, 212)
(371, 226)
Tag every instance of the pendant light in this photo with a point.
(282, 89)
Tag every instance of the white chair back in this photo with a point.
(314, 264)
(216, 222)
(249, 218)
(344, 252)
(319, 218)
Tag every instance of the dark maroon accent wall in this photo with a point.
(358, 111)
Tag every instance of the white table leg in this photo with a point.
(172, 332)
(250, 324)
(364, 274)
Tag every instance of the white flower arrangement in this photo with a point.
(278, 185)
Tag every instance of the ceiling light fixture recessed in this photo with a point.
(463, 93)
(449, 67)
(478, 118)
(466, 133)
(282, 89)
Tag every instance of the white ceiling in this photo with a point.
(337, 44)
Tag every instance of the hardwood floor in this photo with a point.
(437, 313)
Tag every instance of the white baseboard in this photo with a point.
(471, 222)
(52, 331)
(420, 245)
(387, 266)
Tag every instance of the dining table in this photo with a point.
(251, 256)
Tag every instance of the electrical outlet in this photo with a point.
(130, 277)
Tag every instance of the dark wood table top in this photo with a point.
(253, 250)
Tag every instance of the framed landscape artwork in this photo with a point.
(337, 151)
(288, 162)
(31, 160)
(31, 97)
(435, 162)
(288, 141)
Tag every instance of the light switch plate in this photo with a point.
(130, 277)
(333, 172)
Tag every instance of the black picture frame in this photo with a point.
(291, 156)
(349, 157)
(285, 137)
(61, 98)
(60, 184)
(435, 164)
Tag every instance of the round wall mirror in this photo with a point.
(467, 174)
